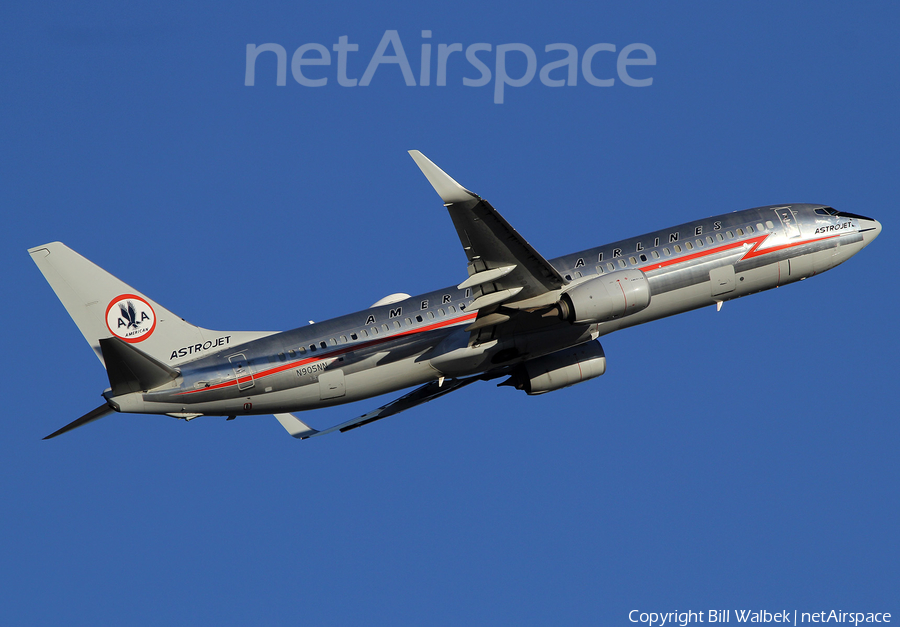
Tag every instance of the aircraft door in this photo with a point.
(243, 372)
(789, 222)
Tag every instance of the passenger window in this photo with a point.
(323, 344)
(689, 246)
(610, 266)
(302, 350)
(431, 315)
(699, 243)
(386, 328)
(720, 237)
(452, 309)
(667, 252)
(621, 263)
(749, 229)
(677, 248)
(643, 257)
(281, 357)
(730, 235)
(408, 322)
(740, 231)
(292, 353)
(599, 269)
(632, 260)
(418, 318)
(441, 312)
(760, 227)
(343, 339)
(654, 254)
(769, 224)
(709, 239)
(396, 324)
(312, 348)
(374, 330)
(578, 275)
(354, 336)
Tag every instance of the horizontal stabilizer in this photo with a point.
(131, 370)
(91, 416)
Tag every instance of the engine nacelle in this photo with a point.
(559, 370)
(606, 297)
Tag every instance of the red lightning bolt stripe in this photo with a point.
(755, 250)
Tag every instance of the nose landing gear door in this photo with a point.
(789, 222)
(243, 373)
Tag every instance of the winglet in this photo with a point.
(295, 426)
(449, 190)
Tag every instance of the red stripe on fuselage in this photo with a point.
(755, 250)
(332, 354)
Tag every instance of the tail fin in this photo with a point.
(102, 307)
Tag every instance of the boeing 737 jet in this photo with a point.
(518, 316)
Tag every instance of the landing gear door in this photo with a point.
(789, 222)
(243, 372)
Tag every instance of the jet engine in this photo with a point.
(606, 297)
(559, 370)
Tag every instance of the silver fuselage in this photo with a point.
(406, 343)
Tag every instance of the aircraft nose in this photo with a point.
(870, 229)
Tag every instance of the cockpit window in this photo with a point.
(828, 211)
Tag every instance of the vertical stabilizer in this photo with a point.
(102, 306)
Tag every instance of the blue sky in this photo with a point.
(740, 459)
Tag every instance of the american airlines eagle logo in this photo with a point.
(130, 318)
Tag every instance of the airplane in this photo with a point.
(517, 315)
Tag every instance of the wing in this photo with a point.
(506, 273)
(427, 392)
